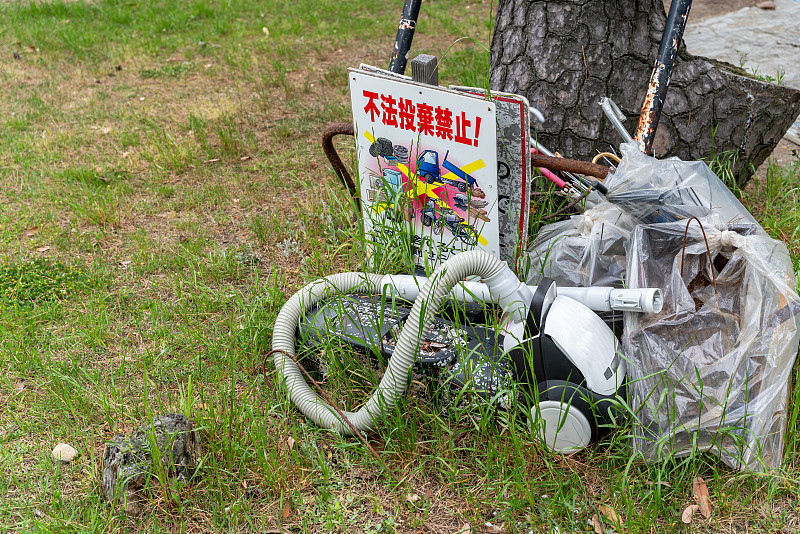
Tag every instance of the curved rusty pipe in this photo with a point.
(340, 128)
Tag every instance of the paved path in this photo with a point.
(766, 40)
(763, 42)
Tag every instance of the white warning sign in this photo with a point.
(427, 160)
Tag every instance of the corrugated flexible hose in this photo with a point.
(396, 378)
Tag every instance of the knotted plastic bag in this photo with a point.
(584, 250)
(711, 370)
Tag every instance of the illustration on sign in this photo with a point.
(427, 157)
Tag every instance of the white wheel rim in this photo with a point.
(562, 427)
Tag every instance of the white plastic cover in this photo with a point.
(712, 369)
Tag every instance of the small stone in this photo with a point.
(64, 452)
(766, 4)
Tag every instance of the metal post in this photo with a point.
(405, 34)
(659, 80)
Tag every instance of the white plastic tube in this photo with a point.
(499, 279)
(648, 300)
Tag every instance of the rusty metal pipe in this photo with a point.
(405, 34)
(662, 71)
(330, 132)
(569, 165)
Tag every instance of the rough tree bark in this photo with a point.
(564, 55)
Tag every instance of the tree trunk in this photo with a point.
(565, 55)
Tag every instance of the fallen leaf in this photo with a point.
(412, 497)
(465, 529)
(32, 231)
(287, 510)
(428, 493)
(125, 263)
(19, 387)
(43, 249)
(598, 528)
(290, 442)
(610, 514)
(687, 514)
(700, 491)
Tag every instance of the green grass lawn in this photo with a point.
(163, 191)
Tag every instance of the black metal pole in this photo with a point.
(659, 80)
(405, 34)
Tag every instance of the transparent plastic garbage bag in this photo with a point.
(584, 250)
(711, 371)
(667, 190)
(589, 249)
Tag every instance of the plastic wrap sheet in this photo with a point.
(667, 190)
(712, 369)
(585, 250)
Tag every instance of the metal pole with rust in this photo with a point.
(405, 34)
(659, 80)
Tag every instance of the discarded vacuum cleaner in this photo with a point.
(568, 382)
(710, 312)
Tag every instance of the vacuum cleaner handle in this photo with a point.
(647, 300)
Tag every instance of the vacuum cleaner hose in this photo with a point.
(397, 375)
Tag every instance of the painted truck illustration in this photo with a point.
(428, 169)
(439, 215)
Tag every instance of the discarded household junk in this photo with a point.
(661, 304)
